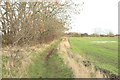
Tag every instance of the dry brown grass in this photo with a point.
(16, 59)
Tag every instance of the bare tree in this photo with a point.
(26, 22)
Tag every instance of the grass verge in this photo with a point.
(54, 67)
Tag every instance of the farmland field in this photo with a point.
(101, 51)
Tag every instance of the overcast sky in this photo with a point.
(102, 14)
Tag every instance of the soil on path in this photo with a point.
(79, 70)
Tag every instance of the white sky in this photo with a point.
(102, 14)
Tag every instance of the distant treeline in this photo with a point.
(74, 34)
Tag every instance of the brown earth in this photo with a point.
(75, 62)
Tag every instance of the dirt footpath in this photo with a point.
(79, 70)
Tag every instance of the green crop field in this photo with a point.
(101, 51)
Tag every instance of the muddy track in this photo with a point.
(75, 62)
